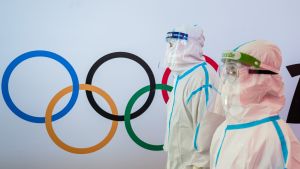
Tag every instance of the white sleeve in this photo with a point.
(209, 117)
(167, 111)
(293, 145)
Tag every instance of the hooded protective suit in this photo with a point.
(190, 125)
(253, 136)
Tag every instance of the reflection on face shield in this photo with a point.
(175, 51)
(229, 71)
(230, 88)
(231, 94)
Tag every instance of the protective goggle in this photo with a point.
(233, 62)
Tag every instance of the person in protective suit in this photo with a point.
(253, 136)
(190, 124)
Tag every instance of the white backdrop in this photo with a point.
(82, 32)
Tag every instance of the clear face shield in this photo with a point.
(229, 71)
(184, 48)
(235, 62)
(175, 50)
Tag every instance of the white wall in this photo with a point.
(83, 31)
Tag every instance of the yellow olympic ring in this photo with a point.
(61, 144)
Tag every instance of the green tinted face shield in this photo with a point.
(233, 61)
(256, 67)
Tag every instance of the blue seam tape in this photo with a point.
(216, 90)
(282, 141)
(252, 124)
(196, 91)
(206, 83)
(206, 86)
(196, 136)
(175, 88)
(219, 151)
(235, 49)
(243, 126)
(191, 70)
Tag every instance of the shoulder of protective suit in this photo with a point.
(200, 78)
(205, 74)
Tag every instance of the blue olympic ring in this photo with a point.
(32, 54)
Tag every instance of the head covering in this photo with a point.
(184, 48)
(255, 96)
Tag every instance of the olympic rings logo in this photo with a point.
(89, 88)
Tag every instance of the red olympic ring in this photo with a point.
(167, 73)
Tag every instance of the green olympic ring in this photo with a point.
(128, 109)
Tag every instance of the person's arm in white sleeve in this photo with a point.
(209, 116)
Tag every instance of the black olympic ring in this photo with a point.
(108, 57)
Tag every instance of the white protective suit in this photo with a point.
(190, 125)
(253, 136)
